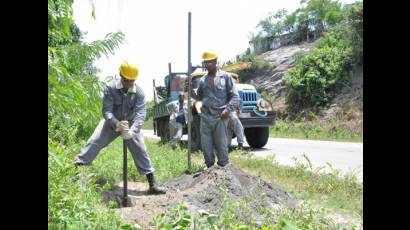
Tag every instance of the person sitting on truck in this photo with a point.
(177, 110)
(219, 97)
(124, 111)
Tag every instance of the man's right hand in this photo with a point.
(121, 126)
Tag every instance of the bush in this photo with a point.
(316, 75)
(257, 65)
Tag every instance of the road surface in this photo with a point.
(345, 156)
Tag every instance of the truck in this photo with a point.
(255, 112)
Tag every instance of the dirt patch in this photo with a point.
(205, 191)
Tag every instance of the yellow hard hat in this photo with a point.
(207, 56)
(129, 71)
(234, 75)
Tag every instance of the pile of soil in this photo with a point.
(205, 191)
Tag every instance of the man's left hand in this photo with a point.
(224, 114)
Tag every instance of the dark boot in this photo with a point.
(76, 164)
(153, 187)
(240, 146)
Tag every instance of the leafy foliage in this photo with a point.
(74, 103)
(317, 75)
(73, 88)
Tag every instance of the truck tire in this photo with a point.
(257, 137)
(164, 127)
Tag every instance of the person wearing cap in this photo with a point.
(234, 124)
(124, 111)
(219, 97)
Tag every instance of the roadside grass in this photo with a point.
(315, 130)
(73, 198)
(321, 194)
(322, 185)
(75, 203)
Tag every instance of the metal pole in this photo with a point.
(125, 173)
(169, 80)
(124, 166)
(189, 91)
(153, 108)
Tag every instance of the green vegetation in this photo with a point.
(258, 65)
(73, 87)
(317, 130)
(73, 199)
(328, 190)
(73, 112)
(321, 73)
(318, 75)
(75, 203)
(310, 21)
(74, 194)
(323, 184)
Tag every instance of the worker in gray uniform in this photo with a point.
(124, 111)
(234, 124)
(219, 97)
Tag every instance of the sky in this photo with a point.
(156, 31)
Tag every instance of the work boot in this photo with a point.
(76, 164)
(153, 187)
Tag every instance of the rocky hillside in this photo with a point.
(282, 59)
(272, 81)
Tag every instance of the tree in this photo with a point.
(323, 13)
(272, 26)
(73, 88)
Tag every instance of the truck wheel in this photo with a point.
(257, 137)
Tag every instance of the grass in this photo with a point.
(314, 130)
(304, 217)
(323, 194)
(148, 124)
(329, 189)
(73, 200)
(75, 203)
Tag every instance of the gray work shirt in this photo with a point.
(116, 104)
(222, 95)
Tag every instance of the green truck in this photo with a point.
(255, 113)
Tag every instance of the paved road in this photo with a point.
(345, 156)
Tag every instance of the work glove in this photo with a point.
(127, 134)
(121, 125)
(131, 133)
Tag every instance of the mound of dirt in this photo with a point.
(205, 191)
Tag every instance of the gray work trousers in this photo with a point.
(103, 135)
(214, 136)
(235, 126)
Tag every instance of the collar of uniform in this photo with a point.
(118, 85)
(218, 73)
